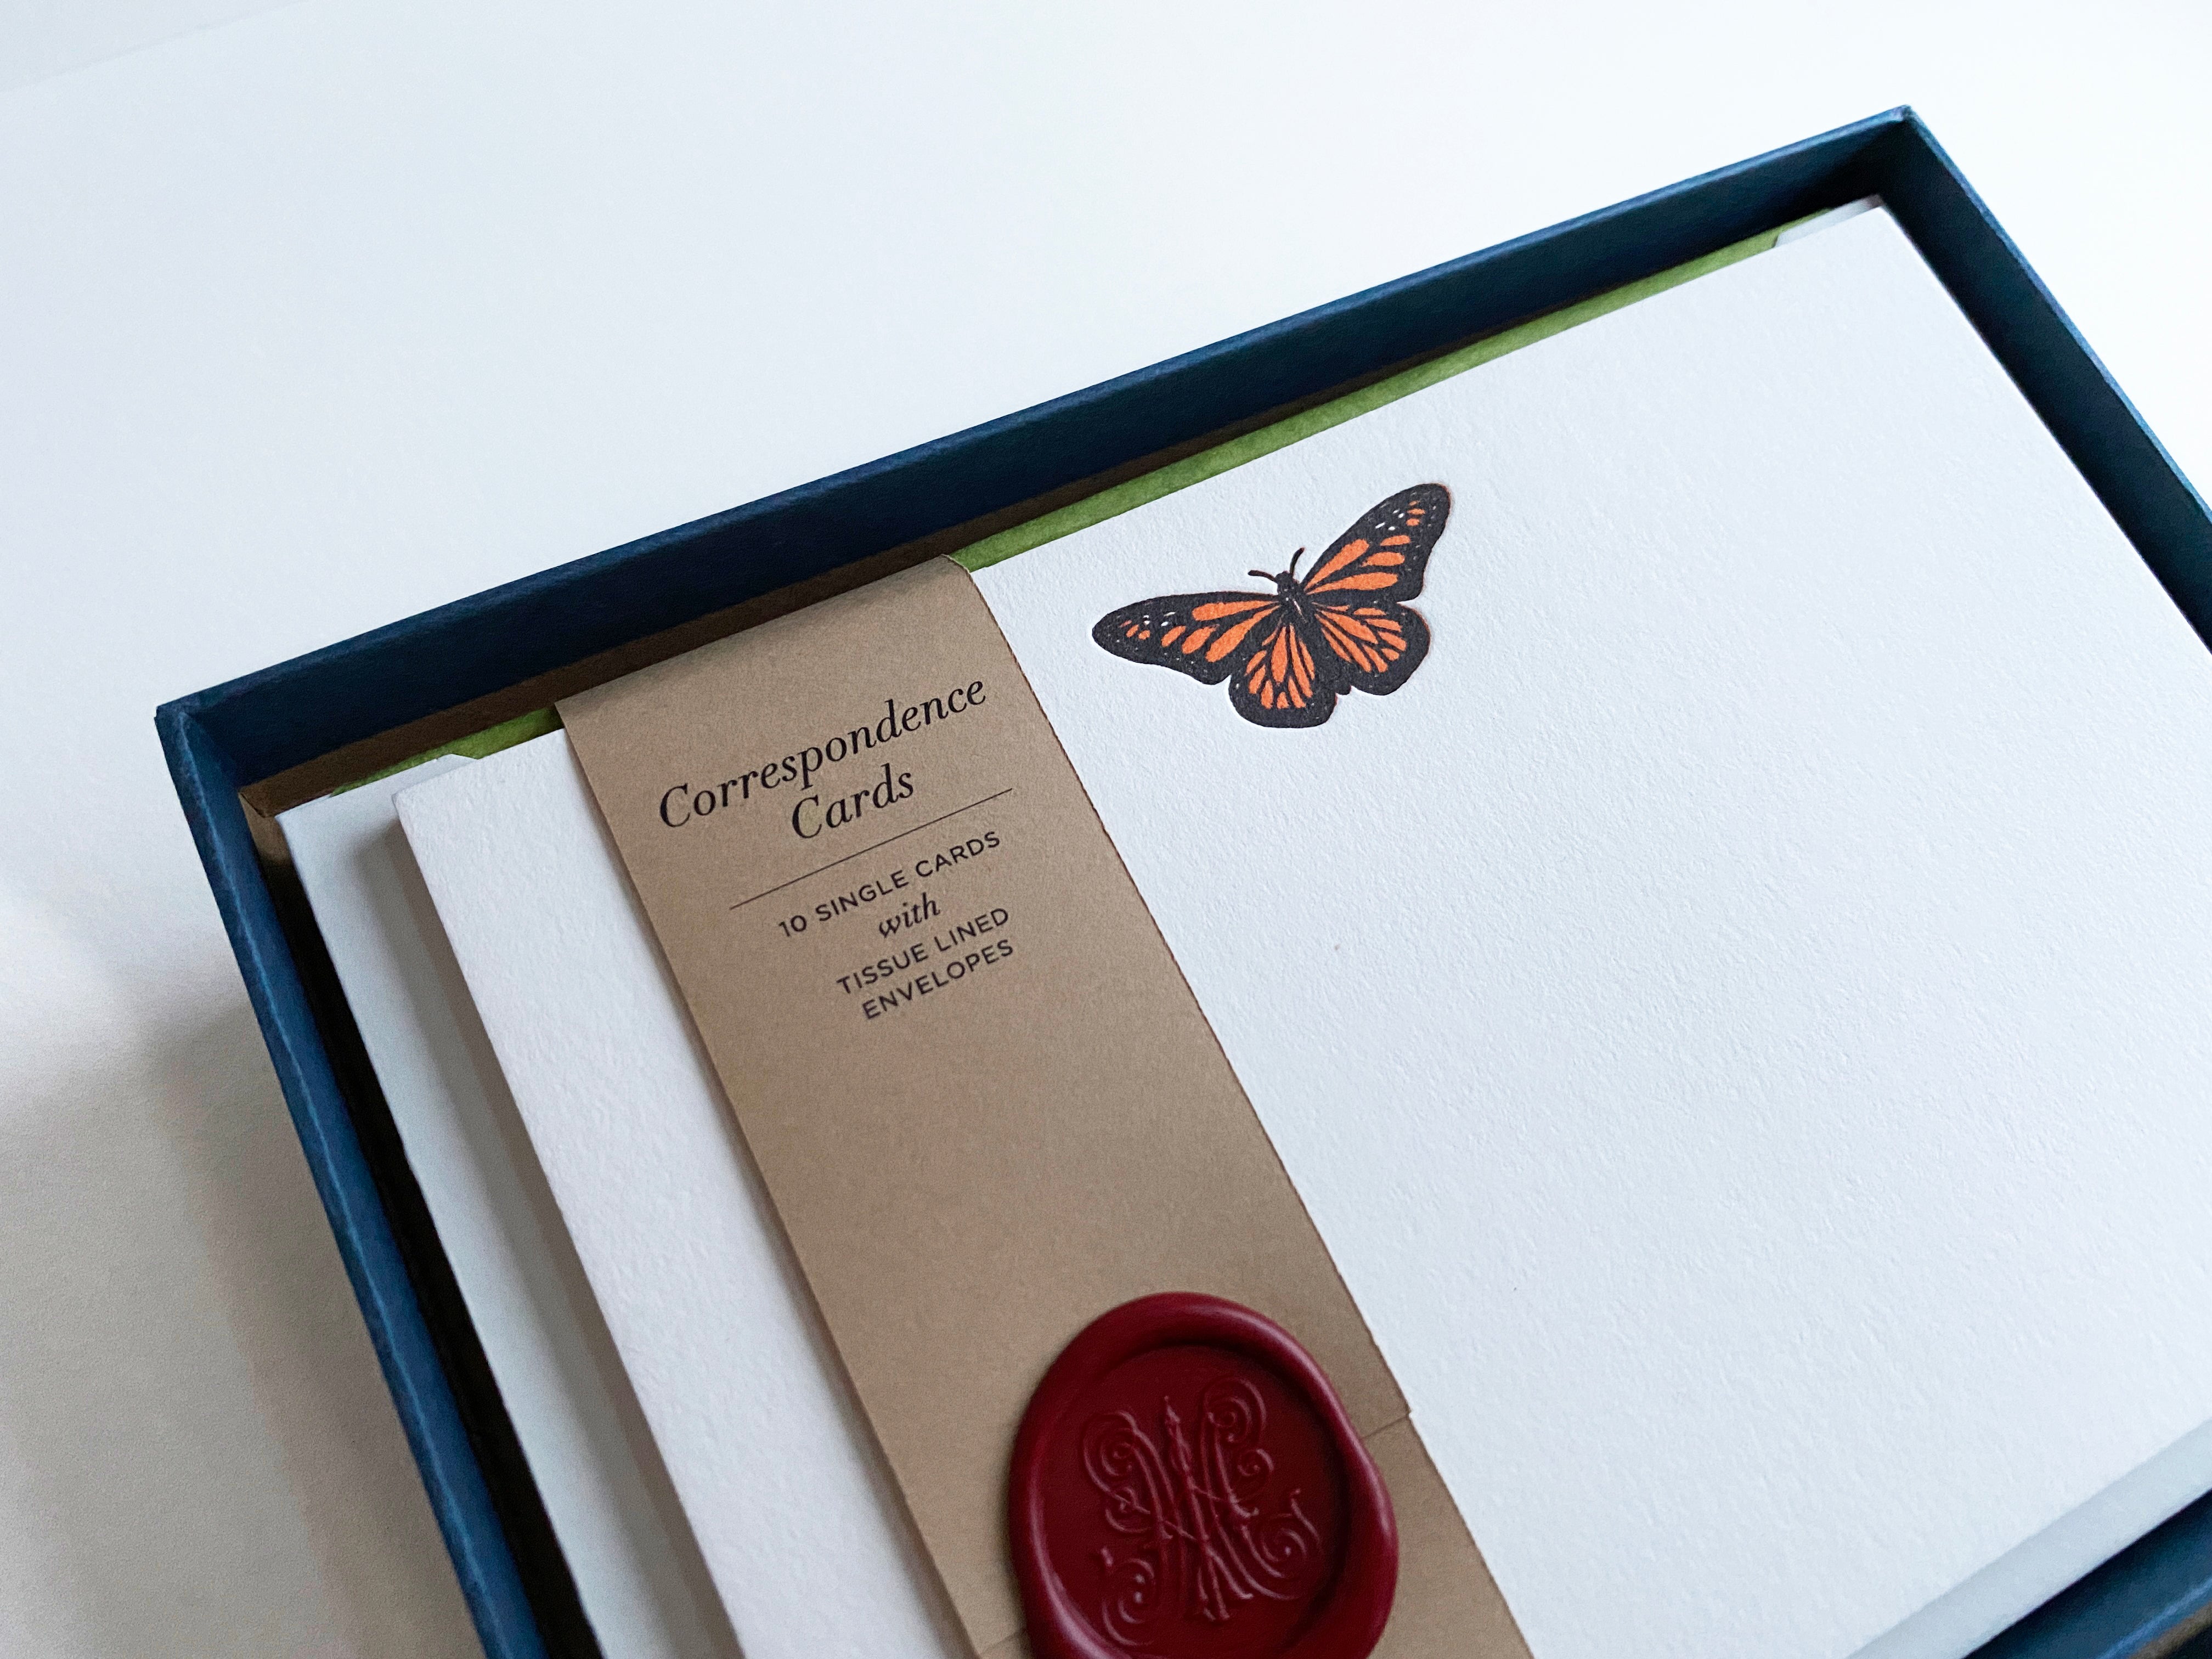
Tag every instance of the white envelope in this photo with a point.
(558, 1375)
(799, 1528)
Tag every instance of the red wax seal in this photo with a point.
(1186, 1486)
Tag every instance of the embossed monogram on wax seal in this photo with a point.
(1216, 1530)
(1186, 1486)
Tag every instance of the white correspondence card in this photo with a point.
(1734, 1010)
(1728, 1005)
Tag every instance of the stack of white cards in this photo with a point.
(1733, 1015)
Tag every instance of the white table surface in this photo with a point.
(343, 309)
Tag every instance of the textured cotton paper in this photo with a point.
(773, 1468)
(1735, 1013)
(558, 1376)
(1722, 1011)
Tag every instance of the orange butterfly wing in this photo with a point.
(1372, 647)
(1283, 680)
(1199, 635)
(1366, 637)
(1384, 557)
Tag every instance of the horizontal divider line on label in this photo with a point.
(865, 851)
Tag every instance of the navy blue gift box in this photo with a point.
(340, 712)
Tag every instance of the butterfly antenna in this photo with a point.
(1295, 557)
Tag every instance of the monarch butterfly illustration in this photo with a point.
(1288, 656)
